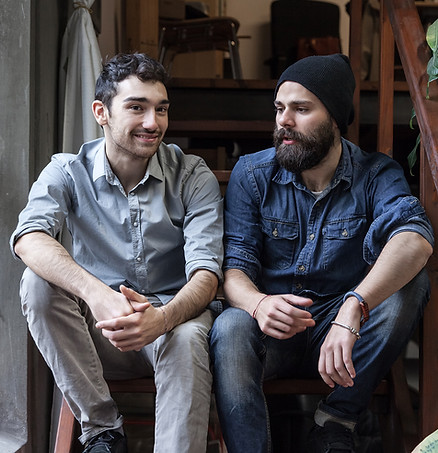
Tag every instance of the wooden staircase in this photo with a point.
(400, 23)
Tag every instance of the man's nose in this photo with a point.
(149, 120)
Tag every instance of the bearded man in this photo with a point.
(324, 245)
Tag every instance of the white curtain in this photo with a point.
(80, 66)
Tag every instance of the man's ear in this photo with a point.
(100, 112)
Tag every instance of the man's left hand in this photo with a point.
(133, 332)
(335, 362)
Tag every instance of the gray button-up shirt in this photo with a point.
(152, 238)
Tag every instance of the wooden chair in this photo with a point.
(391, 401)
(194, 35)
(295, 20)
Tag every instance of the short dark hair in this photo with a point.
(124, 65)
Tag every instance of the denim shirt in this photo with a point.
(152, 238)
(289, 240)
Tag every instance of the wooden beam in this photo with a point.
(355, 58)
(385, 123)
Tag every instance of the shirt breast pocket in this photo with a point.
(280, 242)
(342, 240)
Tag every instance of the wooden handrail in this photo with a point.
(414, 54)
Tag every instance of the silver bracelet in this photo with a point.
(351, 329)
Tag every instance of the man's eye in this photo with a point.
(135, 108)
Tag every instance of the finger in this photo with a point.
(111, 324)
(297, 300)
(323, 370)
(349, 365)
(340, 373)
(132, 295)
(139, 306)
(285, 311)
(288, 326)
(302, 303)
(126, 344)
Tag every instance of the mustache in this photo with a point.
(280, 133)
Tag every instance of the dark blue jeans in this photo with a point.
(243, 357)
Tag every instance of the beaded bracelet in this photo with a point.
(351, 329)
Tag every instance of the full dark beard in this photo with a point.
(310, 150)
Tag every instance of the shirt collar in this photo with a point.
(102, 167)
(155, 169)
(100, 162)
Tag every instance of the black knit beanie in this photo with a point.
(331, 79)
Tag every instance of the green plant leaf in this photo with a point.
(411, 121)
(432, 71)
(432, 36)
(412, 157)
(432, 65)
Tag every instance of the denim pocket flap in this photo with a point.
(280, 230)
(343, 229)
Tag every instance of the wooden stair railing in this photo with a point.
(414, 54)
(400, 21)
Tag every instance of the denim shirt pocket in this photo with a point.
(341, 237)
(279, 243)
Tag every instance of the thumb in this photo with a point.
(138, 301)
(132, 295)
(300, 301)
(139, 306)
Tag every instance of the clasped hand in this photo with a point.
(140, 326)
(282, 316)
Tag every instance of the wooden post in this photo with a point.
(385, 123)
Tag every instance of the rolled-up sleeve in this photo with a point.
(47, 205)
(406, 215)
(203, 222)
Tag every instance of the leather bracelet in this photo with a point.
(363, 306)
(351, 329)
(258, 305)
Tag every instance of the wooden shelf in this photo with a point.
(223, 128)
(368, 85)
(426, 4)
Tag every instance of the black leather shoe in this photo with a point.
(107, 442)
(332, 438)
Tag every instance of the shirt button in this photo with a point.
(344, 233)
(299, 286)
(138, 258)
(301, 268)
(312, 237)
(135, 224)
(275, 232)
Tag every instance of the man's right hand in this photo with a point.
(109, 304)
(282, 316)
